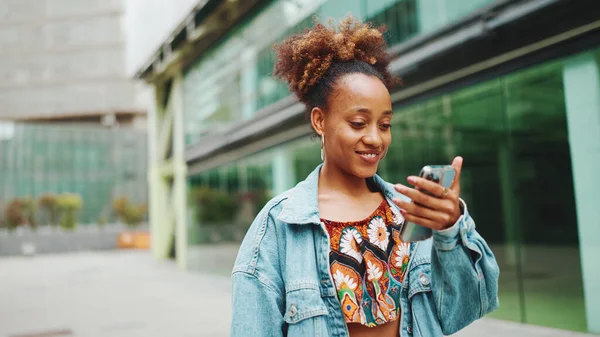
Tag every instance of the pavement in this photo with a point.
(130, 294)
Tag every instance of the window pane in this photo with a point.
(543, 190)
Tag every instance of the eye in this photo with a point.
(357, 125)
(385, 126)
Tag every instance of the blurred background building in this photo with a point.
(70, 120)
(512, 86)
(64, 60)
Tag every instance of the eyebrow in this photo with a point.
(365, 110)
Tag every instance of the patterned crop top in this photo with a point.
(368, 262)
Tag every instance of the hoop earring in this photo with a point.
(322, 147)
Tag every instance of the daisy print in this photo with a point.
(350, 243)
(344, 281)
(397, 217)
(402, 256)
(378, 233)
(373, 271)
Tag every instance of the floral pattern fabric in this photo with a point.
(368, 262)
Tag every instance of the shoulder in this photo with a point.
(262, 235)
(269, 213)
(272, 209)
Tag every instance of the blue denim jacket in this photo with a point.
(282, 285)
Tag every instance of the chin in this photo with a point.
(364, 172)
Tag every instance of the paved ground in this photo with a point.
(109, 294)
(128, 294)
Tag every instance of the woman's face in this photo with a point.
(356, 125)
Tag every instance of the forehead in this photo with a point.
(354, 90)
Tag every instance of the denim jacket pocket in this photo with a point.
(422, 322)
(305, 313)
(419, 279)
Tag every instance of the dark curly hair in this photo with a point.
(313, 61)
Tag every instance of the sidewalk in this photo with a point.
(129, 294)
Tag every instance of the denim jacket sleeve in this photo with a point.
(257, 294)
(466, 273)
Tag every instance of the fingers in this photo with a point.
(457, 165)
(428, 211)
(431, 218)
(423, 184)
(419, 197)
(439, 210)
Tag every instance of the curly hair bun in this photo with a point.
(303, 59)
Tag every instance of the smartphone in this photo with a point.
(441, 174)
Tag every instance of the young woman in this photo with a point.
(325, 258)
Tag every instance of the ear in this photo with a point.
(317, 119)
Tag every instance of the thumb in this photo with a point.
(457, 165)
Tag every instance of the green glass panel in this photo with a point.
(339, 9)
(398, 16)
(434, 14)
(543, 190)
(96, 163)
(306, 157)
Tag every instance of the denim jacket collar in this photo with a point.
(302, 206)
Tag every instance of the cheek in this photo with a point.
(387, 139)
(347, 137)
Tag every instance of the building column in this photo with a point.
(249, 78)
(283, 171)
(168, 173)
(180, 188)
(581, 78)
(158, 188)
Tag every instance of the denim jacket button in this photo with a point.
(293, 310)
(424, 280)
(409, 329)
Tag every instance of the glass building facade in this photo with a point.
(524, 134)
(232, 81)
(99, 164)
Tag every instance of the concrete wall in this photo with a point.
(48, 241)
(63, 57)
(148, 23)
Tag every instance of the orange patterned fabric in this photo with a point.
(368, 262)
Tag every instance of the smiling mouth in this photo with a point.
(368, 154)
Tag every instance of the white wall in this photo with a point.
(62, 57)
(147, 24)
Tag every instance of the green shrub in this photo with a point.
(101, 221)
(29, 211)
(214, 206)
(14, 214)
(68, 205)
(48, 203)
(131, 215)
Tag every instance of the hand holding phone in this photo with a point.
(434, 204)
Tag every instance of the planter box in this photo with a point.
(48, 240)
(133, 240)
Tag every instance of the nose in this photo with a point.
(373, 138)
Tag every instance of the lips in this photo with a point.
(369, 156)
(368, 153)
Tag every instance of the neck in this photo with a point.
(334, 179)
